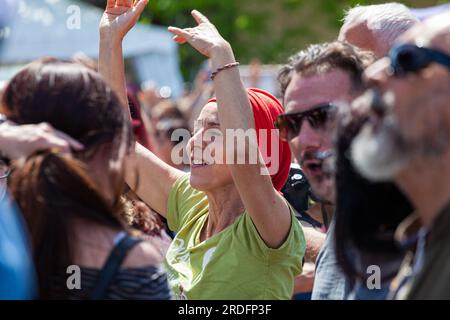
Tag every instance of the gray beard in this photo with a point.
(382, 156)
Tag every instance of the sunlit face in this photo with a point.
(302, 94)
(206, 149)
(409, 115)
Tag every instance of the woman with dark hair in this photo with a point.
(367, 215)
(236, 237)
(70, 200)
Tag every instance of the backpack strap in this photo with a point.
(112, 266)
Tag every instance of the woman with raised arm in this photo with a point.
(236, 237)
(69, 190)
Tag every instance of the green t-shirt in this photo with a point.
(234, 264)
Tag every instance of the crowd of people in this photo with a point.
(340, 190)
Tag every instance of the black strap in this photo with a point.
(111, 266)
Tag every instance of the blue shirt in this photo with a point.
(329, 282)
(17, 274)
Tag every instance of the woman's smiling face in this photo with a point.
(207, 155)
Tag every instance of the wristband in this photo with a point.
(227, 66)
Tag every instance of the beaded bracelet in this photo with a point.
(227, 66)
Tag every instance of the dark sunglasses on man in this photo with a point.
(290, 124)
(409, 58)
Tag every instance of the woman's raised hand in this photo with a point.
(120, 16)
(204, 37)
(22, 140)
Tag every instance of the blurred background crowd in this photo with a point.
(167, 87)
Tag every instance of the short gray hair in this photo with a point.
(387, 21)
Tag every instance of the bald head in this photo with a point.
(433, 32)
(376, 27)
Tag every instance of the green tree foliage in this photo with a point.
(269, 30)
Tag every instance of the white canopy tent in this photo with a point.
(61, 28)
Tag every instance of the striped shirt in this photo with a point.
(146, 283)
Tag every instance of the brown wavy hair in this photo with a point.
(52, 188)
(326, 57)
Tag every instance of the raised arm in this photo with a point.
(265, 205)
(146, 174)
(119, 17)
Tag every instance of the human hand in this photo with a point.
(205, 37)
(23, 140)
(120, 16)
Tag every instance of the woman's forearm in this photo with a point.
(235, 111)
(117, 20)
(6, 143)
(111, 66)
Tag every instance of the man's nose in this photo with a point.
(309, 137)
(378, 73)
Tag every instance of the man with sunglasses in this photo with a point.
(313, 82)
(407, 139)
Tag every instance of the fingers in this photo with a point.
(140, 5)
(52, 138)
(179, 40)
(120, 2)
(45, 127)
(182, 39)
(110, 4)
(74, 144)
(181, 35)
(200, 18)
(53, 142)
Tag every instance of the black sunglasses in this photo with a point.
(407, 58)
(290, 124)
